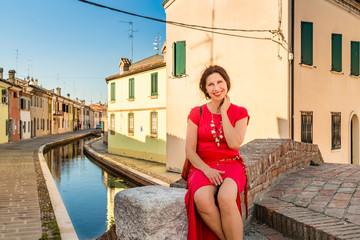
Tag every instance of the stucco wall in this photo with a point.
(258, 68)
(4, 115)
(140, 144)
(318, 89)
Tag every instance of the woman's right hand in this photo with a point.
(214, 175)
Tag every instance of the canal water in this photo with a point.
(86, 189)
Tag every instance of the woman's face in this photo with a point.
(216, 86)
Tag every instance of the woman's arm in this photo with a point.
(234, 135)
(213, 175)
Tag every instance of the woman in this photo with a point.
(217, 176)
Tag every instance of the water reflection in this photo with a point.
(87, 190)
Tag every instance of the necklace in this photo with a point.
(215, 135)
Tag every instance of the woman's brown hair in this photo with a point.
(207, 72)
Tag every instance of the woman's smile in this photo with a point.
(216, 86)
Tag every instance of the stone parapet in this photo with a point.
(151, 212)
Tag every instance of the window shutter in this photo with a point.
(307, 43)
(336, 52)
(131, 88)
(354, 58)
(174, 59)
(154, 84)
(180, 58)
(112, 91)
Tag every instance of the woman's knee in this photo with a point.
(204, 201)
(225, 201)
(227, 195)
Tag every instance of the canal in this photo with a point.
(86, 189)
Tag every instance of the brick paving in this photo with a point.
(316, 202)
(19, 205)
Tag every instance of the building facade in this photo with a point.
(256, 62)
(14, 108)
(39, 110)
(4, 109)
(326, 77)
(137, 109)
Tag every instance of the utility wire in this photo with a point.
(197, 27)
(172, 22)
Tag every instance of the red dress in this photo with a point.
(222, 158)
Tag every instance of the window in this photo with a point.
(335, 131)
(28, 126)
(24, 127)
(336, 50)
(112, 124)
(31, 99)
(37, 123)
(154, 84)
(28, 105)
(307, 127)
(4, 96)
(354, 69)
(43, 124)
(47, 124)
(179, 56)
(22, 103)
(307, 43)
(131, 124)
(41, 100)
(154, 124)
(112, 94)
(7, 124)
(131, 88)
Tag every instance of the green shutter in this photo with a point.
(180, 58)
(174, 59)
(354, 58)
(131, 88)
(307, 43)
(154, 84)
(336, 49)
(112, 91)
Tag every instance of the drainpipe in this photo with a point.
(291, 80)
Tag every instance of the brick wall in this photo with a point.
(268, 160)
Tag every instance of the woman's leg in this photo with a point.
(204, 199)
(231, 220)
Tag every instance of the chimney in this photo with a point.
(1, 73)
(124, 65)
(36, 82)
(77, 99)
(58, 91)
(68, 95)
(82, 102)
(12, 76)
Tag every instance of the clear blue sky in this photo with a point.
(73, 45)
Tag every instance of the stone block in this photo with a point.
(151, 212)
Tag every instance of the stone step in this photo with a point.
(302, 223)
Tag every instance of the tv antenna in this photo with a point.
(131, 35)
(157, 44)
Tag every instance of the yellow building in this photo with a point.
(4, 109)
(326, 77)
(137, 109)
(295, 69)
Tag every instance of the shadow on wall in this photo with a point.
(175, 148)
(152, 149)
(283, 127)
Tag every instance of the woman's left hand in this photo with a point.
(225, 105)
